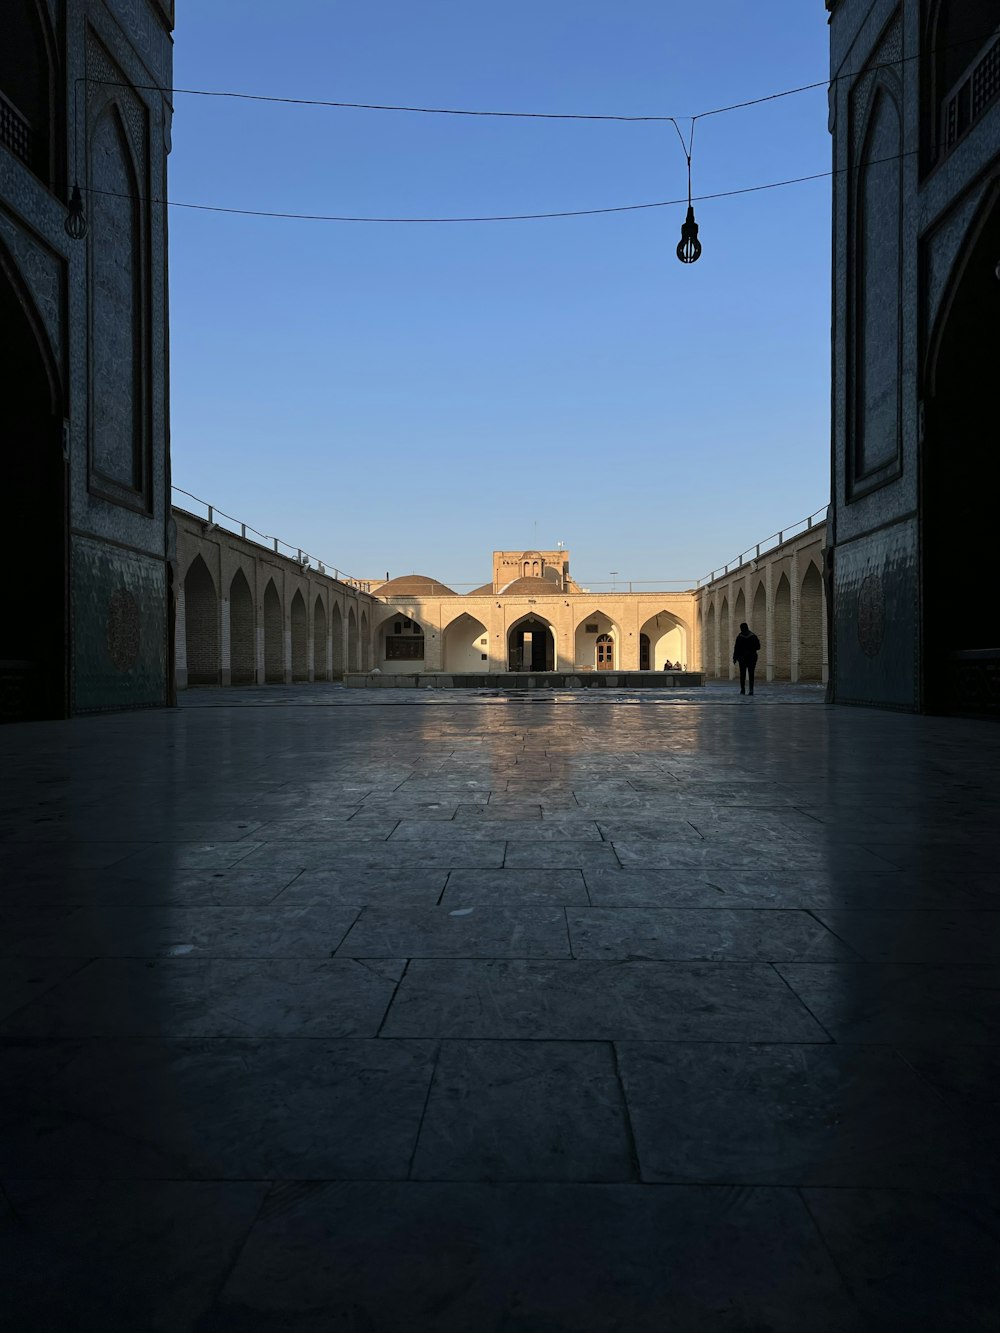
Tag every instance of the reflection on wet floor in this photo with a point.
(477, 1016)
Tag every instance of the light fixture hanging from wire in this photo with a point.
(689, 247)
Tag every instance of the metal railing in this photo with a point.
(302, 558)
(768, 544)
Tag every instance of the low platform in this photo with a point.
(525, 680)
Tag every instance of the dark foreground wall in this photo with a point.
(915, 116)
(83, 325)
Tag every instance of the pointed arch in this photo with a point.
(597, 642)
(201, 624)
(782, 647)
(321, 657)
(758, 620)
(353, 652)
(668, 640)
(400, 643)
(242, 638)
(30, 83)
(811, 624)
(299, 618)
(877, 290)
(710, 656)
(35, 511)
(116, 253)
(337, 640)
(274, 657)
(466, 644)
(740, 608)
(531, 644)
(366, 642)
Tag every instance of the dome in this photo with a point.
(414, 585)
(519, 587)
(485, 591)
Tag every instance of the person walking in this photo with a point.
(745, 651)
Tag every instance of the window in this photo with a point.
(404, 647)
(398, 627)
(484, 642)
(484, 657)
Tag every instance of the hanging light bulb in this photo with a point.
(76, 219)
(689, 247)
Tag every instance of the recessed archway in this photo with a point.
(321, 661)
(811, 625)
(531, 645)
(725, 640)
(201, 624)
(274, 658)
(961, 477)
(668, 641)
(242, 648)
(782, 647)
(597, 643)
(401, 645)
(466, 645)
(300, 637)
(353, 656)
(366, 643)
(337, 639)
(711, 655)
(33, 638)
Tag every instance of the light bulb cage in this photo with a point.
(76, 219)
(689, 247)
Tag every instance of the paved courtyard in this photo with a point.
(340, 1011)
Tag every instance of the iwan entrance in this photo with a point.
(531, 646)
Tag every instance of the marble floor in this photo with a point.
(329, 1011)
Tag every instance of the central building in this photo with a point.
(532, 616)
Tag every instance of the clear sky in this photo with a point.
(406, 398)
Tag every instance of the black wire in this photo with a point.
(507, 217)
(531, 115)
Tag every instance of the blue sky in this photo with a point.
(409, 397)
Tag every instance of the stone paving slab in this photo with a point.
(670, 1014)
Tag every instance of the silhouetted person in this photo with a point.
(745, 651)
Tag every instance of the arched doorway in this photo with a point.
(274, 658)
(531, 645)
(466, 645)
(961, 474)
(33, 629)
(242, 654)
(596, 643)
(201, 625)
(667, 638)
(710, 656)
(337, 639)
(321, 661)
(366, 643)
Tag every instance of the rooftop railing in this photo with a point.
(768, 544)
(218, 518)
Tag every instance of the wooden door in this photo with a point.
(605, 652)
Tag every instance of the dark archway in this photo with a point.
(321, 661)
(531, 645)
(300, 638)
(28, 87)
(201, 624)
(353, 658)
(33, 627)
(811, 625)
(782, 646)
(366, 643)
(337, 636)
(710, 660)
(961, 474)
(242, 648)
(274, 657)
